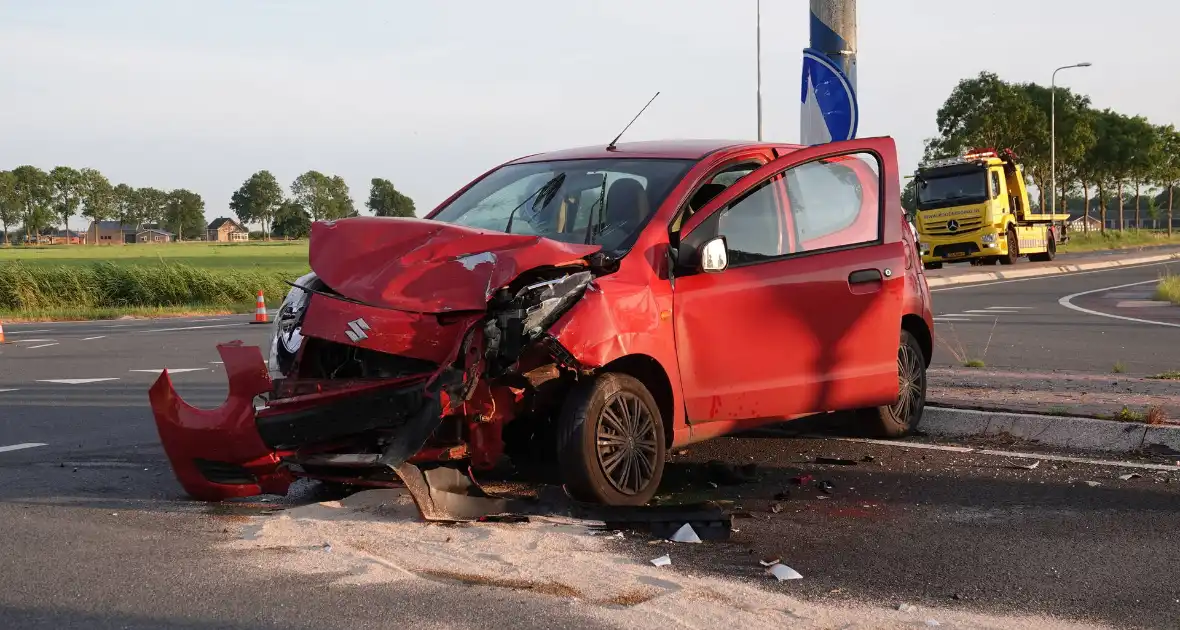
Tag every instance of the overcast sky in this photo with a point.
(199, 94)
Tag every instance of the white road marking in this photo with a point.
(985, 312)
(1141, 303)
(156, 330)
(93, 338)
(44, 345)
(200, 321)
(28, 332)
(171, 370)
(972, 285)
(18, 447)
(118, 326)
(8, 390)
(1016, 454)
(32, 340)
(76, 381)
(1067, 303)
(1010, 308)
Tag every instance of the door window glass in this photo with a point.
(835, 201)
(752, 227)
(995, 184)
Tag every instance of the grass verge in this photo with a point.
(1169, 289)
(104, 290)
(1117, 239)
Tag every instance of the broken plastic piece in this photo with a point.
(825, 486)
(686, 534)
(769, 562)
(906, 607)
(835, 461)
(1130, 476)
(1093, 484)
(327, 547)
(801, 480)
(662, 561)
(783, 572)
(775, 508)
(1027, 466)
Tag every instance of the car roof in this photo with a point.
(667, 149)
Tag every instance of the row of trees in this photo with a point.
(38, 200)
(1098, 151)
(314, 197)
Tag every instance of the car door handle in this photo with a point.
(864, 276)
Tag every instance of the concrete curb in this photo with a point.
(1088, 434)
(971, 278)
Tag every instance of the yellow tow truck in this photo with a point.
(975, 208)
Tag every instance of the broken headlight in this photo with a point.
(285, 341)
(527, 314)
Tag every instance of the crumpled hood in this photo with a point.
(427, 266)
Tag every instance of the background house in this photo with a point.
(226, 230)
(116, 233)
(62, 237)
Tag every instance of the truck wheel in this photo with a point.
(1047, 256)
(610, 442)
(933, 265)
(1013, 249)
(902, 418)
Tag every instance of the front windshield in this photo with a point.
(576, 212)
(940, 191)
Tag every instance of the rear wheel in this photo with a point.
(610, 443)
(902, 418)
(1013, 249)
(1048, 255)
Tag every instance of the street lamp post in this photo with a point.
(1053, 134)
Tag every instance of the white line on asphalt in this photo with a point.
(93, 338)
(984, 312)
(996, 453)
(44, 345)
(975, 285)
(1010, 308)
(76, 381)
(929, 447)
(28, 332)
(214, 319)
(17, 447)
(1067, 303)
(171, 370)
(215, 363)
(31, 340)
(8, 390)
(156, 330)
(118, 326)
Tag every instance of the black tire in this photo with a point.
(1013, 249)
(1046, 256)
(611, 419)
(933, 265)
(902, 418)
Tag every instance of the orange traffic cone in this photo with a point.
(2, 333)
(260, 310)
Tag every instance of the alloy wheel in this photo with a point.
(626, 439)
(911, 384)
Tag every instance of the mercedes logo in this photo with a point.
(952, 226)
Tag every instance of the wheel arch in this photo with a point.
(655, 378)
(916, 326)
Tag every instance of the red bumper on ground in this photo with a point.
(217, 454)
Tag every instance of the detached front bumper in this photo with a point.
(238, 449)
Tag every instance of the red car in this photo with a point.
(598, 305)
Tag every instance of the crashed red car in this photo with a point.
(601, 305)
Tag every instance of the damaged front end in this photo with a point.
(361, 391)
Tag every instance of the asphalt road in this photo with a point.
(97, 533)
(1087, 322)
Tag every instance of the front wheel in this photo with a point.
(1013, 249)
(610, 443)
(902, 418)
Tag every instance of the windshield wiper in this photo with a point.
(550, 189)
(601, 211)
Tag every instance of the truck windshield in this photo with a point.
(540, 201)
(952, 189)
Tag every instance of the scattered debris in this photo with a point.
(504, 518)
(932, 623)
(662, 561)
(785, 495)
(1027, 466)
(835, 461)
(682, 452)
(327, 547)
(1129, 476)
(775, 508)
(770, 561)
(783, 572)
(956, 596)
(906, 607)
(686, 534)
(728, 475)
(803, 480)
(1092, 484)
(825, 486)
(868, 458)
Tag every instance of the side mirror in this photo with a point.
(714, 256)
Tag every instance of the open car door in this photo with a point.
(789, 288)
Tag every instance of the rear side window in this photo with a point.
(835, 202)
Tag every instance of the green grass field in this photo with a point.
(288, 257)
(1114, 239)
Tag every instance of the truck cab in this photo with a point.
(975, 208)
